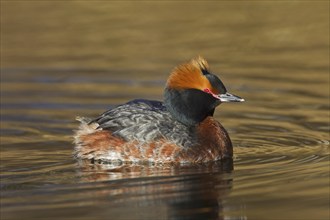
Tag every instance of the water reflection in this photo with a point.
(184, 191)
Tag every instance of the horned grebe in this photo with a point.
(180, 129)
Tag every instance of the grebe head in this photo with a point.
(192, 92)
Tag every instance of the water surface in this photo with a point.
(62, 59)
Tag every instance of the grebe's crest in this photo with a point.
(200, 63)
(191, 75)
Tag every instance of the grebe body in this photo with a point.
(180, 129)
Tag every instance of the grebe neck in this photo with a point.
(189, 106)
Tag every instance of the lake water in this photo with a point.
(60, 59)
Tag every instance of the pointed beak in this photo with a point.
(227, 97)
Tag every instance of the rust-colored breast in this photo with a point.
(213, 143)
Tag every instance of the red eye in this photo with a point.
(207, 90)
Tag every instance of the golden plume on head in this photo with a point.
(200, 63)
(190, 75)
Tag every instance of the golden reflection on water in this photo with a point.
(60, 59)
(257, 35)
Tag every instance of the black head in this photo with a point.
(192, 92)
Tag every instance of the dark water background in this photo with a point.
(60, 59)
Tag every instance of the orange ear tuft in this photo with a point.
(200, 63)
(190, 75)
